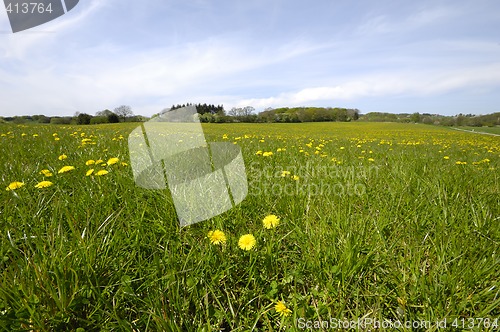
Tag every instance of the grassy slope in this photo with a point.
(379, 224)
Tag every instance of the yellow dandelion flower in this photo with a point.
(14, 185)
(247, 242)
(267, 154)
(371, 159)
(258, 152)
(43, 184)
(112, 161)
(62, 157)
(446, 157)
(57, 139)
(285, 173)
(46, 172)
(89, 172)
(295, 177)
(90, 162)
(35, 135)
(282, 309)
(101, 172)
(66, 169)
(217, 237)
(99, 161)
(271, 221)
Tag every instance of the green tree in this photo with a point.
(113, 118)
(83, 119)
(415, 117)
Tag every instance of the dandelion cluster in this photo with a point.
(285, 174)
(247, 241)
(46, 173)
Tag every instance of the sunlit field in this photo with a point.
(373, 223)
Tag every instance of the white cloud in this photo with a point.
(424, 84)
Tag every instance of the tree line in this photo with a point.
(120, 114)
(217, 114)
(309, 114)
(471, 120)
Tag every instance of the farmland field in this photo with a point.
(378, 222)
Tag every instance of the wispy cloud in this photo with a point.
(391, 22)
(90, 82)
(424, 84)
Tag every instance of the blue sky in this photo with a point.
(378, 56)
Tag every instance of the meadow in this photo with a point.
(374, 223)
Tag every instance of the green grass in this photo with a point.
(382, 223)
(490, 130)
